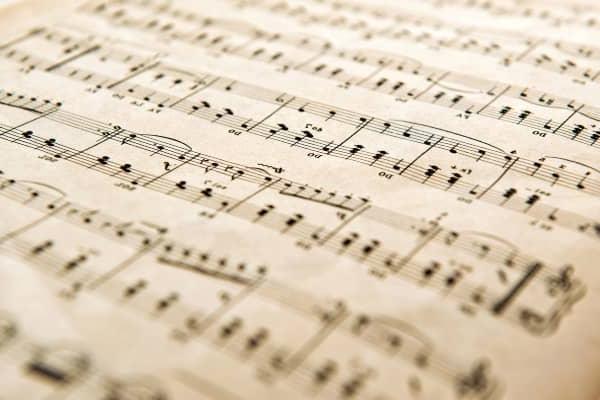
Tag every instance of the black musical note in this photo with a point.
(298, 139)
(355, 150)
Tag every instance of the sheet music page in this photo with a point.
(299, 199)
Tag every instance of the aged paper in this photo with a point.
(286, 199)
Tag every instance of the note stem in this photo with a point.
(271, 114)
(360, 128)
(499, 307)
(32, 224)
(487, 189)
(420, 155)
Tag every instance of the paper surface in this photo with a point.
(284, 199)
